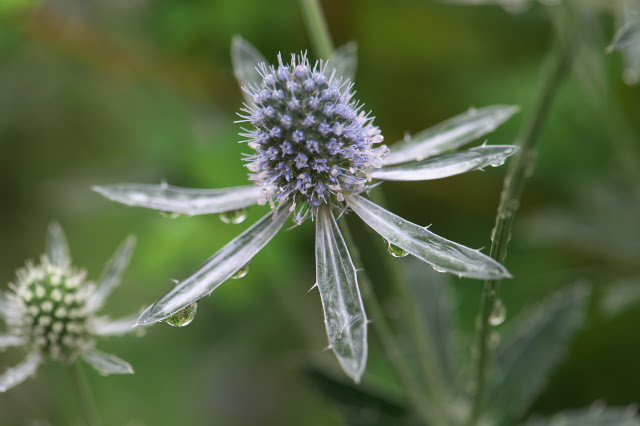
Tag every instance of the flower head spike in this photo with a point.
(316, 152)
(51, 312)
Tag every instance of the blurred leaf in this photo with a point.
(621, 296)
(245, 58)
(345, 60)
(530, 349)
(359, 406)
(435, 299)
(593, 416)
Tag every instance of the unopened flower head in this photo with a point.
(313, 142)
(52, 301)
(51, 312)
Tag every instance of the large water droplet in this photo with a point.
(242, 272)
(396, 251)
(498, 313)
(234, 216)
(183, 317)
(438, 269)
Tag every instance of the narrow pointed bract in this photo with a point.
(450, 134)
(116, 327)
(21, 372)
(219, 268)
(439, 252)
(344, 315)
(8, 340)
(448, 164)
(187, 201)
(245, 59)
(57, 246)
(106, 363)
(112, 274)
(345, 60)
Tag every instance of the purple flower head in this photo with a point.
(322, 129)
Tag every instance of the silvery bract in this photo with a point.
(51, 312)
(627, 39)
(315, 153)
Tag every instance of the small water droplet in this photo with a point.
(396, 251)
(183, 317)
(242, 272)
(438, 269)
(498, 163)
(234, 217)
(498, 313)
(170, 215)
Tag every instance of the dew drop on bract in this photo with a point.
(242, 272)
(234, 216)
(438, 269)
(498, 163)
(183, 317)
(396, 251)
(170, 215)
(498, 313)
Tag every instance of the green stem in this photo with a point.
(520, 169)
(83, 392)
(317, 28)
(423, 406)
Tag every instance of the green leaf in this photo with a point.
(530, 350)
(359, 406)
(435, 302)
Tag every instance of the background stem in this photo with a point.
(317, 28)
(83, 392)
(520, 169)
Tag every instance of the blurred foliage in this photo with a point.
(99, 92)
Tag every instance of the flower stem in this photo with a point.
(520, 169)
(83, 392)
(317, 28)
(427, 412)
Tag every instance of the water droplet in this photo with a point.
(234, 216)
(498, 163)
(183, 317)
(170, 215)
(438, 269)
(498, 313)
(396, 251)
(242, 272)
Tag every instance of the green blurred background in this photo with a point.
(97, 92)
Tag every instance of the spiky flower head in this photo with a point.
(51, 312)
(52, 301)
(313, 142)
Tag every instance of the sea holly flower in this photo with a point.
(316, 152)
(51, 311)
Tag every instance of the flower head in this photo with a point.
(313, 143)
(315, 149)
(51, 311)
